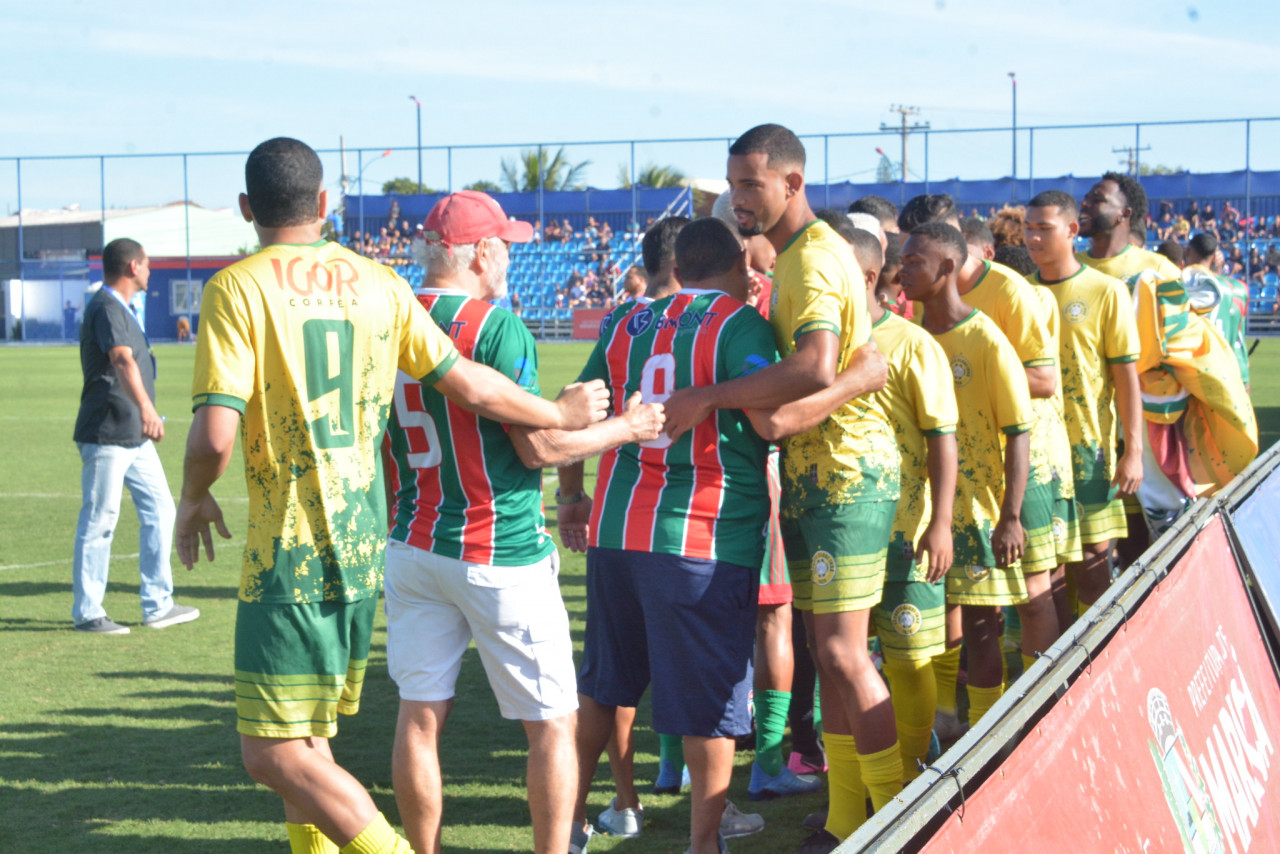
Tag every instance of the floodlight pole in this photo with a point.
(418, 105)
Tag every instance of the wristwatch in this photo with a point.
(564, 501)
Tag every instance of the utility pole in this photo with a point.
(904, 130)
(1131, 160)
(418, 104)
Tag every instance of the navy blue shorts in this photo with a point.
(686, 624)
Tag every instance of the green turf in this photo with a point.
(127, 743)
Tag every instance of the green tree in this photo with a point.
(651, 175)
(886, 170)
(483, 186)
(521, 174)
(1159, 169)
(405, 187)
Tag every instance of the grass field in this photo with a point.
(127, 743)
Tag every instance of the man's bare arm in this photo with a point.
(1129, 405)
(131, 381)
(867, 373)
(1008, 539)
(937, 541)
(640, 422)
(1042, 380)
(480, 389)
(810, 369)
(209, 445)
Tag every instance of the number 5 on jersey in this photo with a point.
(418, 425)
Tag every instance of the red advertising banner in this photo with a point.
(1164, 745)
(586, 323)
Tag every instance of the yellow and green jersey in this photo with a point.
(852, 455)
(1097, 330)
(1011, 302)
(1131, 261)
(304, 342)
(921, 403)
(1049, 409)
(993, 402)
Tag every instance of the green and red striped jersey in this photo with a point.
(704, 495)
(460, 488)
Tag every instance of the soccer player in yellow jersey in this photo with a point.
(840, 478)
(1098, 346)
(993, 438)
(921, 403)
(298, 350)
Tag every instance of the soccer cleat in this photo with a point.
(102, 626)
(175, 615)
(802, 764)
(821, 842)
(735, 823)
(786, 784)
(816, 820)
(625, 823)
(579, 836)
(670, 782)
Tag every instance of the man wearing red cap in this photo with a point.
(469, 556)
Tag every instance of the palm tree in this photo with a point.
(557, 173)
(652, 175)
(483, 186)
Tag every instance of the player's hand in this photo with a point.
(1128, 474)
(582, 404)
(934, 551)
(644, 419)
(152, 424)
(868, 369)
(573, 521)
(686, 409)
(755, 288)
(1008, 541)
(193, 522)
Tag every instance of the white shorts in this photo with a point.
(437, 605)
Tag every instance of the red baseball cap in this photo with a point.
(467, 216)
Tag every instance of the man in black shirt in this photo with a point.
(115, 431)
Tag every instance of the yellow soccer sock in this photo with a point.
(981, 700)
(946, 667)
(848, 805)
(377, 838)
(1027, 661)
(915, 699)
(307, 839)
(882, 774)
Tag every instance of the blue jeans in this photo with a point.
(107, 470)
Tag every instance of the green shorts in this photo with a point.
(299, 666)
(1041, 551)
(1102, 515)
(911, 620)
(836, 555)
(1066, 529)
(986, 585)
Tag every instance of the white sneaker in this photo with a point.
(579, 837)
(626, 823)
(175, 615)
(735, 823)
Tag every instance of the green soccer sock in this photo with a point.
(671, 749)
(771, 721)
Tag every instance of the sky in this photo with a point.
(134, 77)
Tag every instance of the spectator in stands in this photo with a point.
(1164, 225)
(880, 208)
(566, 230)
(1007, 227)
(592, 231)
(575, 278)
(516, 307)
(552, 233)
(1172, 250)
(1181, 228)
(598, 296)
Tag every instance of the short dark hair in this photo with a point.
(1138, 229)
(1172, 250)
(1134, 196)
(934, 207)
(706, 248)
(780, 146)
(892, 249)
(866, 248)
(1056, 199)
(948, 236)
(878, 206)
(659, 245)
(976, 231)
(838, 221)
(1016, 257)
(282, 178)
(118, 255)
(1203, 244)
